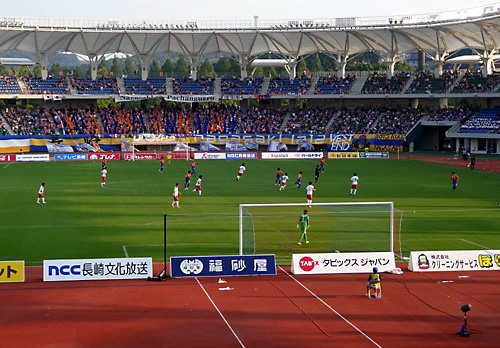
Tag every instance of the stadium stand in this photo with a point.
(153, 85)
(487, 121)
(334, 85)
(241, 86)
(307, 120)
(378, 83)
(280, 85)
(9, 85)
(29, 122)
(52, 85)
(202, 86)
(475, 82)
(101, 85)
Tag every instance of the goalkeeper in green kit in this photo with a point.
(303, 225)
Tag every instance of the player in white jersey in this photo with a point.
(354, 184)
(284, 179)
(104, 173)
(41, 190)
(309, 192)
(240, 171)
(176, 194)
(198, 185)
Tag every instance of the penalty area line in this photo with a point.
(220, 313)
(330, 308)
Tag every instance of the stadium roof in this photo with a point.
(438, 35)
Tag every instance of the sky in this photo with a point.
(227, 9)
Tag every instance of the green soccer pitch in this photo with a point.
(125, 218)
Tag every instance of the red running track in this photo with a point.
(417, 310)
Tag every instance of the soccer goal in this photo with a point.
(343, 227)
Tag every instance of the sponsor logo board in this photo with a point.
(331, 263)
(11, 271)
(292, 155)
(216, 266)
(33, 158)
(455, 260)
(97, 269)
(70, 157)
(106, 156)
(209, 155)
(241, 155)
(140, 156)
(373, 154)
(343, 155)
(7, 158)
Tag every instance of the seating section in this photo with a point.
(203, 86)
(101, 85)
(425, 82)
(378, 83)
(487, 121)
(153, 85)
(52, 85)
(241, 86)
(28, 121)
(9, 85)
(451, 114)
(474, 82)
(279, 85)
(334, 85)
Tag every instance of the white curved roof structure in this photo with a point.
(438, 35)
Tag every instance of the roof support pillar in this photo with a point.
(487, 67)
(438, 68)
(243, 63)
(342, 64)
(44, 68)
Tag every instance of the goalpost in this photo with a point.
(343, 227)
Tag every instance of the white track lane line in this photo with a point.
(221, 315)
(328, 306)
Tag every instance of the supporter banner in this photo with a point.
(15, 145)
(11, 271)
(209, 156)
(241, 155)
(343, 155)
(276, 146)
(71, 157)
(55, 148)
(140, 156)
(235, 146)
(217, 266)
(191, 98)
(231, 97)
(206, 146)
(97, 269)
(7, 158)
(373, 154)
(456, 260)
(330, 263)
(112, 142)
(106, 156)
(33, 158)
(292, 155)
(133, 97)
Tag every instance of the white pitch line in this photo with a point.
(329, 307)
(125, 251)
(5, 166)
(221, 315)
(479, 245)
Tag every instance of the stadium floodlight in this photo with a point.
(348, 227)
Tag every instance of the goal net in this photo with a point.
(343, 227)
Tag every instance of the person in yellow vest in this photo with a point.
(374, 284)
